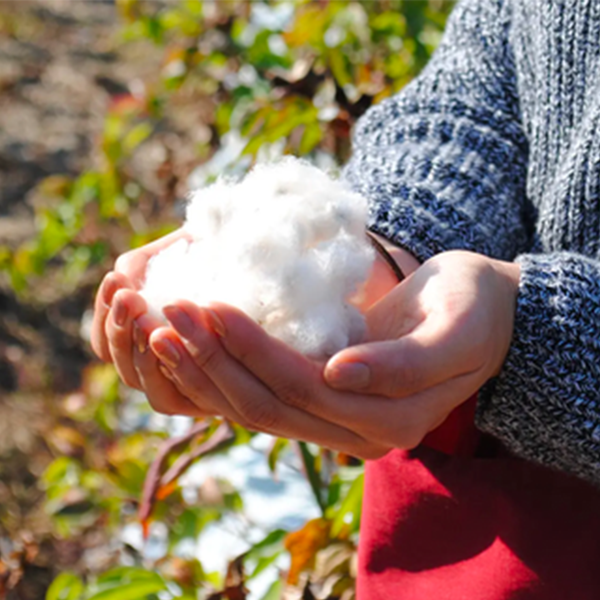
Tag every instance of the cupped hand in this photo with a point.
(436, 339)
(439, 336)
(127, 274)
(121, 326)
(224, 357)
(122, 329)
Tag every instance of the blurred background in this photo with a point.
(109, 112)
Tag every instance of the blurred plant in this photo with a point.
(240, 81)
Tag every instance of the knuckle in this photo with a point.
(205, 356)
(118, 340)
(405, 377)
(196, 395)
(243, 353)
(294, 395)
(261, 417)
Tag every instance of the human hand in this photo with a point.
(437, 338)
(120, 316)
(127, 274)
(121, 329)
(269, 387)
(446, 330)
(225, 359)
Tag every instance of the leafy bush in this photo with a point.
(239, 81)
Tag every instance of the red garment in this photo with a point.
(459, 518)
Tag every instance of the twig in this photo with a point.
(154, 480)
(222, 436)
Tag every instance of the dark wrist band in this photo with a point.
(386, 256)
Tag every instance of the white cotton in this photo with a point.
(286, 245)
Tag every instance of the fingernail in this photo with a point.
(120, 312)
(139, 338)
(167, 352)
(166, 373)
(215, 323)
(349, 375)
(180, 321)
(109, 289)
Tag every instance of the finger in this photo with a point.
(191, 382)
(297, 382)
(403, 423)
(133, 263)
(127, 306)
(292, 378)
(398, 368)
(160, 390)
(110, 285)
(399, 423)
(259, 408)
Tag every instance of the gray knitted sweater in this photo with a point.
(495, 148)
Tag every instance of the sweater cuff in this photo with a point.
(545, 403)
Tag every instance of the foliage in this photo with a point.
(259, 79)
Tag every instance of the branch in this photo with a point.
(155, 481)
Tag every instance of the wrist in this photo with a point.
(510, 278)
(384, 276)
(405, 261)
(510, 273)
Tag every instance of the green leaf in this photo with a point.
(85, 189)
(63, 470)
(255, 144)
(135, 136)
(279, 445)
(274, 592)
(349, 512)
(223, 117)
(273, 542)
(312, 474)
(264, 563)
(310, 138)
(193, 7)
(66, 586)
(138, 590)
(129, 575)
(333, 493)
(153, 29)
(389, 24)
(340, 68)
(128, 583)
(265, 552)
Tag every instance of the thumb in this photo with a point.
(394, 368)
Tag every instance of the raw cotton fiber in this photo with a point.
(286, 245)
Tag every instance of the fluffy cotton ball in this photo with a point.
(286, 245)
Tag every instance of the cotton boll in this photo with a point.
(286, 245)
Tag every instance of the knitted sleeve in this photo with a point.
(444, 162)
(444, 166)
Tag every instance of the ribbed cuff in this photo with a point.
(545, 404)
